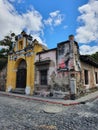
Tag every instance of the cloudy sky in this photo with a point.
(51, 21)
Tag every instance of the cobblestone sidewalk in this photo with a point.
(91, 96)
(22, 114)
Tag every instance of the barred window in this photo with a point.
(43, 77)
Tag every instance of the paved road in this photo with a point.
(20, 114)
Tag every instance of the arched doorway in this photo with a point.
(21, 75)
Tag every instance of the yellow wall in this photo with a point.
(13, 65)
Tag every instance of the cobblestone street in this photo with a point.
(21, 114)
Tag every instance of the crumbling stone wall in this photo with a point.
(59, 81)
(91, 75)
(3, 74)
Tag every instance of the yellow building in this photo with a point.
(20, 69)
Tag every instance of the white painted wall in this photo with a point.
(50, 55)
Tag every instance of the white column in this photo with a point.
(73, 85)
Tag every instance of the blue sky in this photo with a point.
(52, 21)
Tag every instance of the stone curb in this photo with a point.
(91, 99)
(47, 101)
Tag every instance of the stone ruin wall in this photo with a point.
(3, 74)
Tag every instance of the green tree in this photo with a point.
(95, 56)
(3, 63)
(8, 43)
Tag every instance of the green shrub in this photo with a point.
(3, 63)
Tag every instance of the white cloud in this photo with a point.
(55, 13)
(11, 0)
(18, 1)
(65, 27)
(5, 47)
(11, 20)
(55, 18)
(86, 49)
(88, 31)
(36, 36)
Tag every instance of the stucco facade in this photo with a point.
(92, 76)
(58, 72)
(20, 69)
(64, 72)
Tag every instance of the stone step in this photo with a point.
(19, 90)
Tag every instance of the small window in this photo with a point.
(43, 77)
(86, 77)
(96, 77)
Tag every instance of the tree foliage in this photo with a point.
(8, 43)
(3, 63)
(95, 56)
